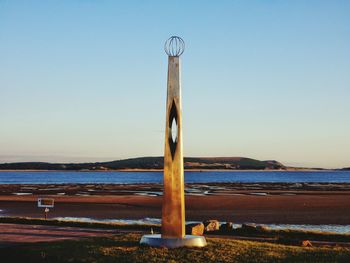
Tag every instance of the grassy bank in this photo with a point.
(285, 236)
(126, 248)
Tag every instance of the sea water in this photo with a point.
(115, 177)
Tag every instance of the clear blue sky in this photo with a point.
(86, 80)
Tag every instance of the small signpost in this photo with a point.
(46, 203)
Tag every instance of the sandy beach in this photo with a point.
(259, 203)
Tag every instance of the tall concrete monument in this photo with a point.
(173, 213)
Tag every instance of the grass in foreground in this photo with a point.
(126, 248)
(286, 236)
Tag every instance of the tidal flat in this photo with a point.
(262, 203)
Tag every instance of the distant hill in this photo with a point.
(154, 163)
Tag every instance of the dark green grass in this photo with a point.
(126, 248)
(286, 236)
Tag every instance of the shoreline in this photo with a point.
(186, 170)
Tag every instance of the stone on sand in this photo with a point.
(306, 243)
(196, 229)
(211, 225)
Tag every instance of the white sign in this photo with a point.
(46, 202)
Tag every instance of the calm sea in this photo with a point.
(56, 177)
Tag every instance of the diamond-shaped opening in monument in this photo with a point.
(173, 129)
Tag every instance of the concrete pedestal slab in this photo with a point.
(187, 241)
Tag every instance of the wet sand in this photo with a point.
(239, 203)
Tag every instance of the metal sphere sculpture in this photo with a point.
(174, 46)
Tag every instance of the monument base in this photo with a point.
(187, 241)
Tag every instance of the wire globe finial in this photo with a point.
(174, 46)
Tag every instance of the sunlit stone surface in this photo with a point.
(173, 213)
